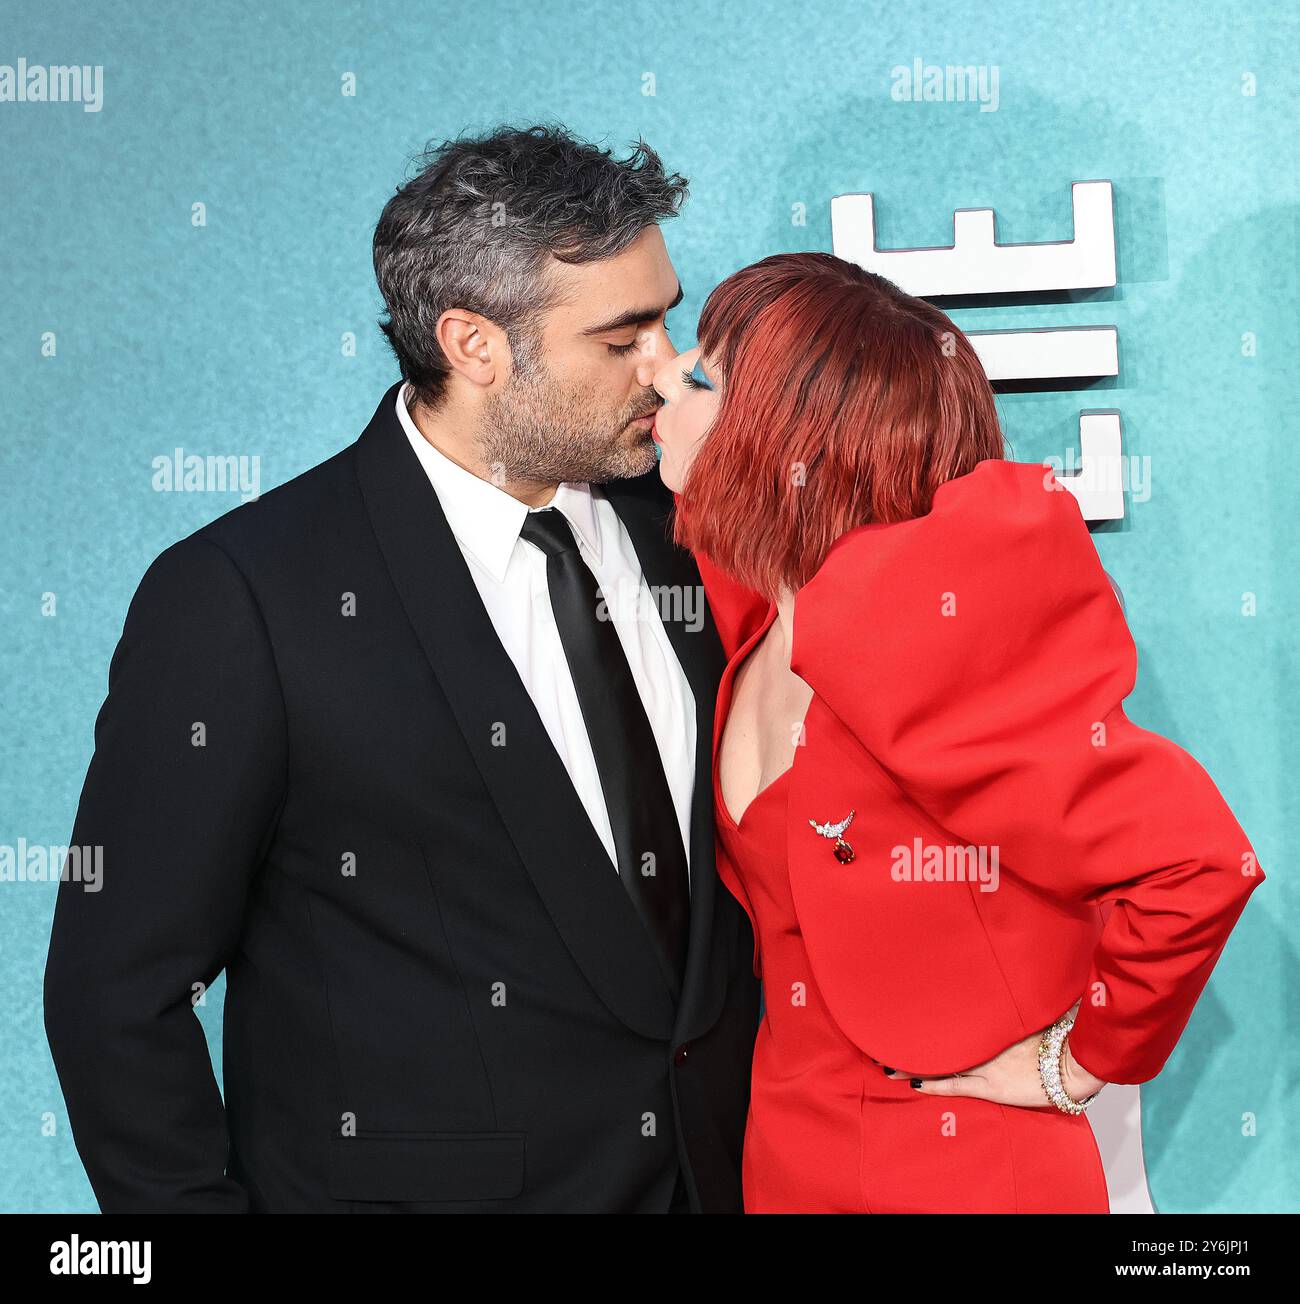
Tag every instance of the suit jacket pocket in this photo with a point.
(396, 1166)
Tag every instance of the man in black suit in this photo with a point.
(383, 746)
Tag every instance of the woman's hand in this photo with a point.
(1010, 1077)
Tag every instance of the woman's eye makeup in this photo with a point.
(695, 378)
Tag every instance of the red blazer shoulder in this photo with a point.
(980, 654)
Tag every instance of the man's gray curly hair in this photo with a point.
(473, 228)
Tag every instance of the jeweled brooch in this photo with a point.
(843, 851)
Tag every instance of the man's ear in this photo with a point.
(474, 347)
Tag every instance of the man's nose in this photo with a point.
(656, 358)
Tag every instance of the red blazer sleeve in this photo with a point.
(736, 610)
(981, 656)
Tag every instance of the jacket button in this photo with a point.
(679, 1055)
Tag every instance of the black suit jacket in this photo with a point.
(317, 769)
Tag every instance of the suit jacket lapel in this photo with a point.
(532, 791)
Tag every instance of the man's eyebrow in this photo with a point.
(634, 316)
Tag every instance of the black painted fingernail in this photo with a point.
(883, 1069)
(915, 1082)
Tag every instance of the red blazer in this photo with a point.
(969, 669)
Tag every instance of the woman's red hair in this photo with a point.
(844, 402)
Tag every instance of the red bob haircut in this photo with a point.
(844, 402)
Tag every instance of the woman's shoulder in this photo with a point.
(989, 515)
(999, 575)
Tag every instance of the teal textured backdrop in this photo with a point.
(229, 338)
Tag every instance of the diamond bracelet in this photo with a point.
(1049, 1068)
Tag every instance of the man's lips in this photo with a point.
(646, 422)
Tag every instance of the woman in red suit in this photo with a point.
(979, 892)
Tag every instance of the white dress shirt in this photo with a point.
(510, 575)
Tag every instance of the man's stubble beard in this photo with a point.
(537, 430)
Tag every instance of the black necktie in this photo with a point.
(647, 837)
